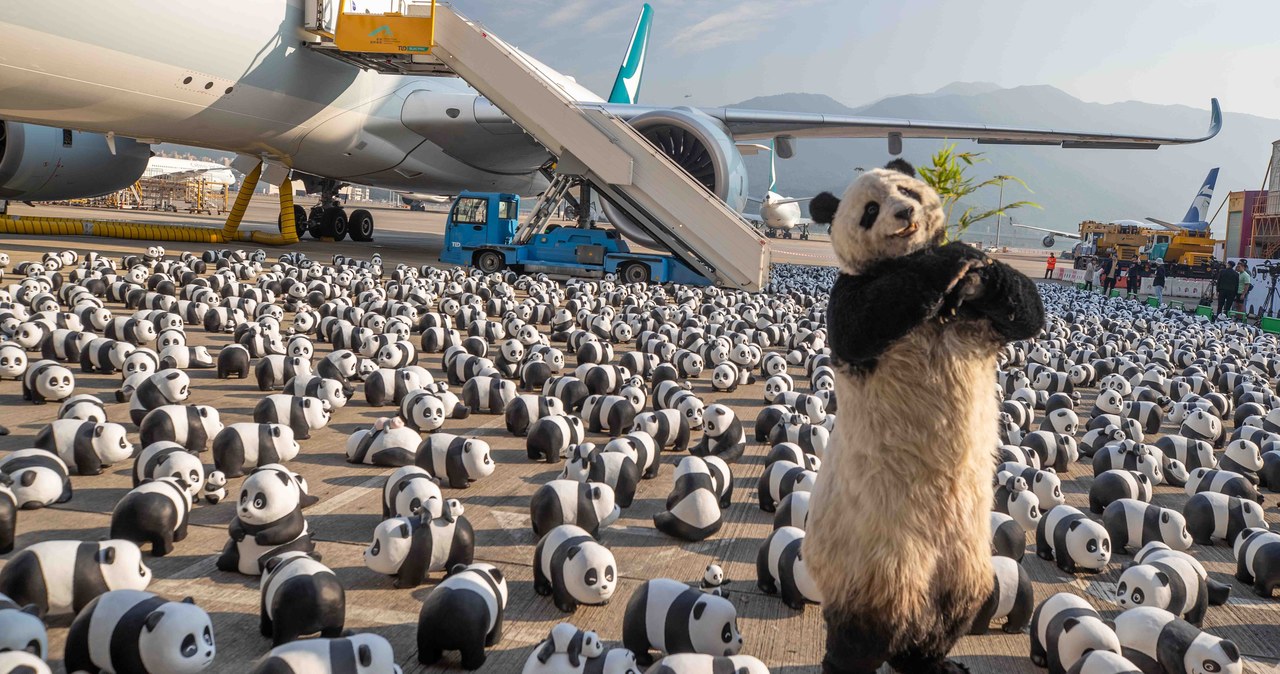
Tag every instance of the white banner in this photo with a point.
(1173, 287)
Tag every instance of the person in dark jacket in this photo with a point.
(1157, 283)
(1228, 287)
(1134, 278)
(1109, 274)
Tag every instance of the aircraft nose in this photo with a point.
(905, 213)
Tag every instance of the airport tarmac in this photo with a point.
(415, 237)
(790, 642)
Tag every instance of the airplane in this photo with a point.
(778, 214)
(183, 169)
(131, 73)
(1193, 221)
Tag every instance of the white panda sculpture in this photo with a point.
(587, 462)
(566, 649)
(60, 577)
(369, 653)
(300, 596)
(245, 446)
(589, 505)
(1157, 640)
(46, 380)
(169, 387)
(722, 434)
(410, 548)
(147, 634)
(387, 443)
(268, 521)
(572, 568)
(454, 460)
(781, 569)
(301, 413)
(169, 459)
(687, 663)
(670, 617)
(1012, 599)
(1064, 628)
(668, 427)
(191, 426)
(83, 407)
(410, 489)
(8, 518)
(85, 446)
(472, 600)
(1074, 542)
(1130, 523)
(21, 629)
(156, 512)
(37, 479)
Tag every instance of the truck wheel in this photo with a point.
(489, 261)
(636, 272)
(361, 224)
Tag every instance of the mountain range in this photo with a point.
(1070, 185)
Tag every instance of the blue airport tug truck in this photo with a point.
(482, 231)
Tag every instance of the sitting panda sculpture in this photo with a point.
(907, 309)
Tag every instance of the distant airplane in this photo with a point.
(187, 169)
(778, 214)
(417, 201)
(1193, 221)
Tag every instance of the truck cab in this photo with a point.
(481, 232)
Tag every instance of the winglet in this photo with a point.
(626, 88)
(1215, 118)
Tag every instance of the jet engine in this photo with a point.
(1048, 241)
(700, 145)
(41, 163)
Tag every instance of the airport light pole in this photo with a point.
(999, 208)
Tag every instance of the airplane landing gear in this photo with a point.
(329, 219)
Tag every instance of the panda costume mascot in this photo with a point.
(908, 311)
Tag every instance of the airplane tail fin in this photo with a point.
(626, 88)
(1200, 205)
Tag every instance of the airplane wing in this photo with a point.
(764, 124)
(1166, 225)
(792, 201)
(1054, 232)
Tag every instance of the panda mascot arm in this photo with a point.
(876, 308)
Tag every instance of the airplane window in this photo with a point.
(471, 211)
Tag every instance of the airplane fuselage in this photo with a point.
(779, 216)
(241, 80)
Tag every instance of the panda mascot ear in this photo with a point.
(285, 478)
(1069, 624)
(901, 166)
(366, 655)
(698, 609)
(822, 208)
(107, 556)
(573, 552)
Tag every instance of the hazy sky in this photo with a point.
(723, 51)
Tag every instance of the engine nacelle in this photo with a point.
(37, 164)
(1048, 241)
(699, 144)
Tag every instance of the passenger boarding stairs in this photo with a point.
(621, 165)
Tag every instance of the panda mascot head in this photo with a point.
(885, 213)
